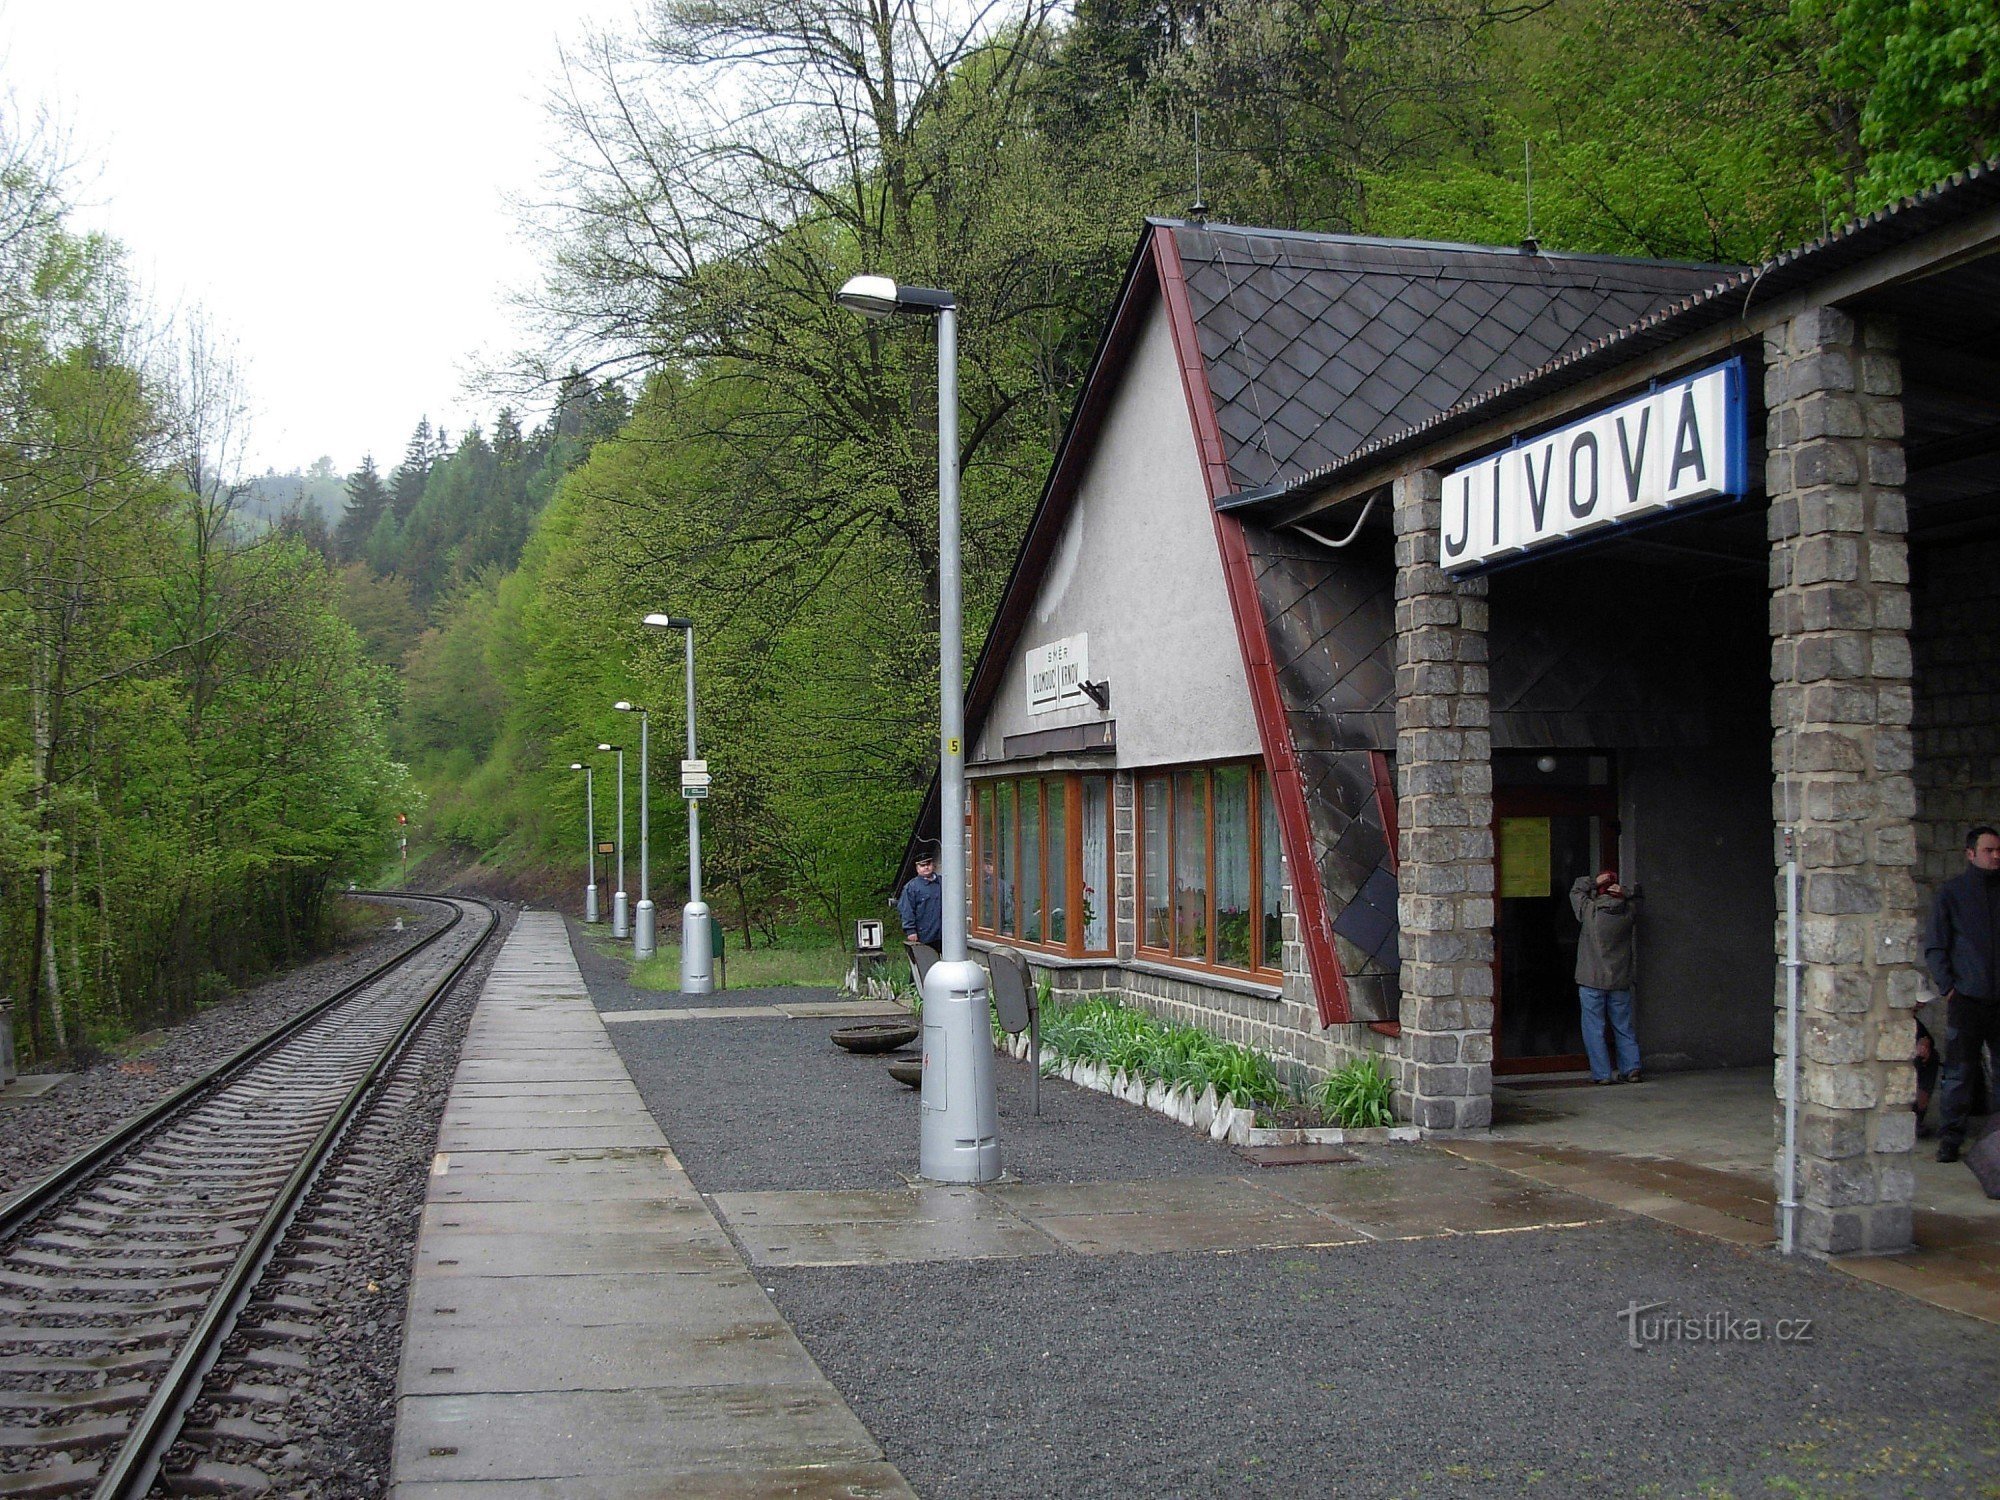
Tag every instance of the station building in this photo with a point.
(1379, 589)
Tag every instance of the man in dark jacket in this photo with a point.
(921, 905)
(1605, 966)
(1961, 947)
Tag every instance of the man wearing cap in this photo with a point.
(921, 905)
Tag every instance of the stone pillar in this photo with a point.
(1444, 789)
(1842, 757)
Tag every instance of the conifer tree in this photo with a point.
(367, 498)
(406, 485)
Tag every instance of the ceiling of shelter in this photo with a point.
(1316, 344)
(1949, 337)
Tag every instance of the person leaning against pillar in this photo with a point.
(1605, 965)
(1960, 947)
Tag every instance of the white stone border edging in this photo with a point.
(1219, 1117)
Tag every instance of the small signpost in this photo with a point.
(607, 847)
(868, 936)
(694, 779)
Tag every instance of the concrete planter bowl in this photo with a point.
(876, 1036)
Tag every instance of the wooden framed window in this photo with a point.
(1210, 876)
(1042, 861)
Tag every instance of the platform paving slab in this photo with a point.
(579, 1324)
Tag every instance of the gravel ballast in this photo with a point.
(40, 1133)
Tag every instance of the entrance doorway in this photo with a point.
(1544, 838)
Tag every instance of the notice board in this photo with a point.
(1524, 857)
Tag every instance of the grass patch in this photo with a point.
(759, 969)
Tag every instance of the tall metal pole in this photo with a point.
(960, 1138)
(621, 925)
(590, 842)
(642, 930)
(697, 946)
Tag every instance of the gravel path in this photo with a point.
(1481, 1365)
(773, 1104)
(1464, 1366)
(38, 1134)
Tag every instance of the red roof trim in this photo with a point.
(1329, 982)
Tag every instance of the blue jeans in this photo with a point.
(1596, 1003)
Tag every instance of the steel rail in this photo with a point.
(130, 1473)
(32, 1201)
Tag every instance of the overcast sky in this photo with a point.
(327, 181)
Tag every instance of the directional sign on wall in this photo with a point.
(1681, 443)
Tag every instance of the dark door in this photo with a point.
(1543, 839)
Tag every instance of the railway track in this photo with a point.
(122, 1273)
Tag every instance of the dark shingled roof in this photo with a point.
(1317, 344)
(1940, 206)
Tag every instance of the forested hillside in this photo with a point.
(192, 748)
(734, 162)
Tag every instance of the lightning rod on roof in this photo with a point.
(1529, 243)
(1197, 210)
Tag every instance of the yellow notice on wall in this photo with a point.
(1524, 857)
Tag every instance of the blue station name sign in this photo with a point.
(1683, 442)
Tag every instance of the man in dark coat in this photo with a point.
(921, 904)
(1961, 947)
(1605, 965)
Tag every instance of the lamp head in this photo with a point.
(624, 707)
(668, 622)
(607, 747)
(881, 297)
(576, 765)
(871, 296)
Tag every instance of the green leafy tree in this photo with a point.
(1926, 75)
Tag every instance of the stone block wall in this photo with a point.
(1842, 754)
(1444, 786)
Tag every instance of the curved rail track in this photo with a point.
(122, 1272)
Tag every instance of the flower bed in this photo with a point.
(1178, 1071)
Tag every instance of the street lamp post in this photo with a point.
(697, 949)
(960, 1136)
(643, 942)
(589, 839)
(620, 926)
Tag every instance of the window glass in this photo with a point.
(1157, 921)
(1031, 861)
(985, 795)
(1055, 824)
(1233, 913)
(1270, 849)
(1191, 864)
(1096, 893)
(1004, 846)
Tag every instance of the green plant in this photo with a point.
(1101, 1032)
(1358, 1095)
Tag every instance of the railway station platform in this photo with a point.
(677, 1249)
(579, 1325)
